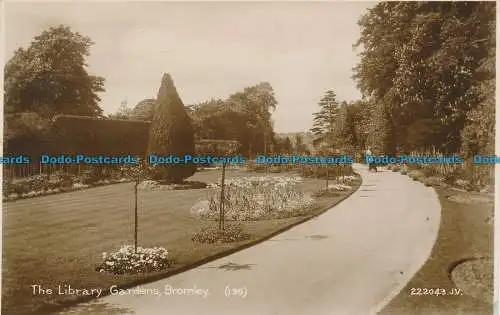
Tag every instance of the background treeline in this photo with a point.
(427, 74)
(47, 83)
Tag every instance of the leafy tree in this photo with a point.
(478, 135)
(50, 76)
(144, 110)
(360, 116)
(171, 133)
(256, 103)
(420, 60)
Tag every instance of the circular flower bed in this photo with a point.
(475, 278)
(126, 260)
(212, 234)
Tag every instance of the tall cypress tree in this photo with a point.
(171, 133)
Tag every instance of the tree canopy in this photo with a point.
(50, 76)
(423, 65)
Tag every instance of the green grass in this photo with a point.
(58, 239)
(464, 233)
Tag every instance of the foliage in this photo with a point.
(144, 110)
(256, 198)
(171, 133)
(41, 185)
(127, 261)
(324, 120)
(231, 233)
(123, 112)
(421, 62)
(26, 132)
(50, 77)
(416, 175)
(245, 117)
(76, 134)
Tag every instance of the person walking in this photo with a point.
(368, 159)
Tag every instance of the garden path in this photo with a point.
(351, 260)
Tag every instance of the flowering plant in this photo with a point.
(256, 198)
(126, 260)
(339, 187)
(211, 234)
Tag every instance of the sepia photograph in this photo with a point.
(249, 158)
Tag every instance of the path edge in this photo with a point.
(49, 309)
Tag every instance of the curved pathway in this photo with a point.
(352, 260)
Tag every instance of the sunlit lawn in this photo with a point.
(59, 239)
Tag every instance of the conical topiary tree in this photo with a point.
(171, 133)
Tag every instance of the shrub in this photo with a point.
(126, 260)
(428, 171)
(171, 133)
(89, 177)
(275, 169)
(433, 181)
(416, 175)
(212, 234)
(255, 167)
(327, 193)
(463, 184)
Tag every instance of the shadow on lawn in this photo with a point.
(235, 267)
(96, 308)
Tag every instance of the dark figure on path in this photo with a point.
(371, 164)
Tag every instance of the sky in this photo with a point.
(211, 49)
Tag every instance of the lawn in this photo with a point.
(465, 232)
(59, 239)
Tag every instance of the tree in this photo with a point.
(220, 148)
(420, 61)
(123, 112)
(256, 103)
(171, 133)
(138, 173)
(324, 120)
(50, 76)
(144, 110)
(478, 135)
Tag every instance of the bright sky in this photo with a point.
(211, 49)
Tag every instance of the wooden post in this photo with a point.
(327, 176)
(222, 197)
(135, 214)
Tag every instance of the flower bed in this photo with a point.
(126, 260)
(347, 179)
(256, 198)
(156, 185)
(333, 189)
(212, 234)
(41, 185)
